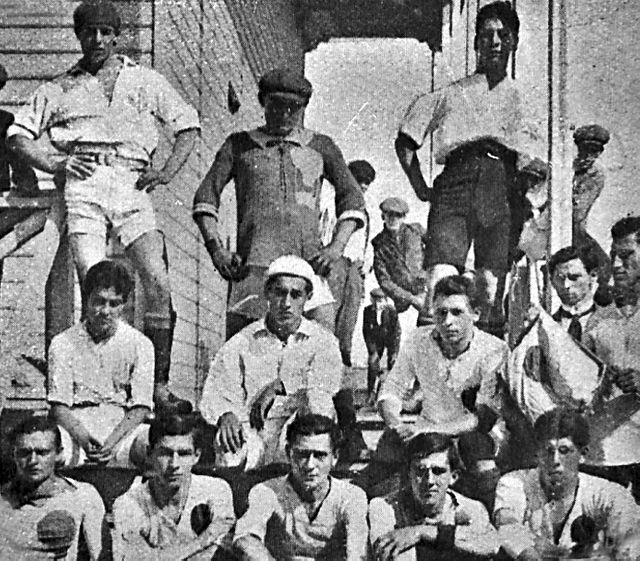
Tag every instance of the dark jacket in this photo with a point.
(383, 335)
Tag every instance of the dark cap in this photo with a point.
(96, 13)
(394, 204)
(362, 171)
(591, 133)
(286, 83)
(377, 293)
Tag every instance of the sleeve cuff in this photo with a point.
(21, 130)
(205, 208)
(358, 215)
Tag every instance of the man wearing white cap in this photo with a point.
(269, 370)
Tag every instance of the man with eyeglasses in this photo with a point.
(307, 514)
(425, 519)
(279, 170)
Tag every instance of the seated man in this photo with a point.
(101, 375)
(270, 369)
(306, 514)
(174, 514)
(425, 519)
(556, 512)
(574, 276)
(42, 512)
(458, 368)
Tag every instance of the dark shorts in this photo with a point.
(461, 214)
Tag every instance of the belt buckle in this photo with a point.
(492, 156)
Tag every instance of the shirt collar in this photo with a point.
(304, 330)
(51, 488)
(300, 137)
(579, 309)
(77, 70)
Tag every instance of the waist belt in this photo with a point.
(112, 159)
(481, 149)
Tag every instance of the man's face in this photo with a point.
(454, 319)
(97, 43)
(282, 115)
(430, 479)
(625, 258)
(377, 302)
(558, 462)
(287, 296)
(572, 282)
(311, 459)
(393, 220)
(172, 459)
(35, 457)
(495, 43)
(104, 308)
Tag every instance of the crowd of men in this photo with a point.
(457, 480)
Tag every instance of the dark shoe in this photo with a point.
(167, 403)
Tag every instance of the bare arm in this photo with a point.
(63, 416)
(133, 417)
(406, 150)
(250, 548)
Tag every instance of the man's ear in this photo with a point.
(59, 458)
(197, 454)
(455, 474)
(583, 453)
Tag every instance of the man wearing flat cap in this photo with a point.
(269, 370)
(101, 118)
(588, 184)
(278, 170)
(398, 256)
(491, 151)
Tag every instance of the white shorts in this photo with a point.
(109, 198)
(100, 420)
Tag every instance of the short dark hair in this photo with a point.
(109, 274)
(34, 424)
(625, 227)
(103, 11)
(586, 254)
(498, 10)
(562, 423)
(362, 171)
(272, 279)
(177, 425)
(458, 284)
(425, 444)
(312, 424)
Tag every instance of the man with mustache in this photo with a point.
(554, 511)
(101, 117)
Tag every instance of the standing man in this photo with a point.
(278, 170)
(425, 518)
(615, 338)
(574, 276)
(43, 513)
(482, 137)
(588, 184)
(100, 117)
(398, 257)
(269, 370)
(381, 331)
(556, 512)
(175, 514)
(306, 514)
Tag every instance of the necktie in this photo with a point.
(575, 327)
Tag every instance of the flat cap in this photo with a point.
(591, 133)
(394, 204)
(290, 265)
(286, 83)
(96, 13)
(377, 293)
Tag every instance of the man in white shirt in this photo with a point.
(100, 382)
(554, 511)
(100, 116)
(482, 136)
(175, 514)
(574, 276)
(307, 514)
(269, 370)
(425, 519)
